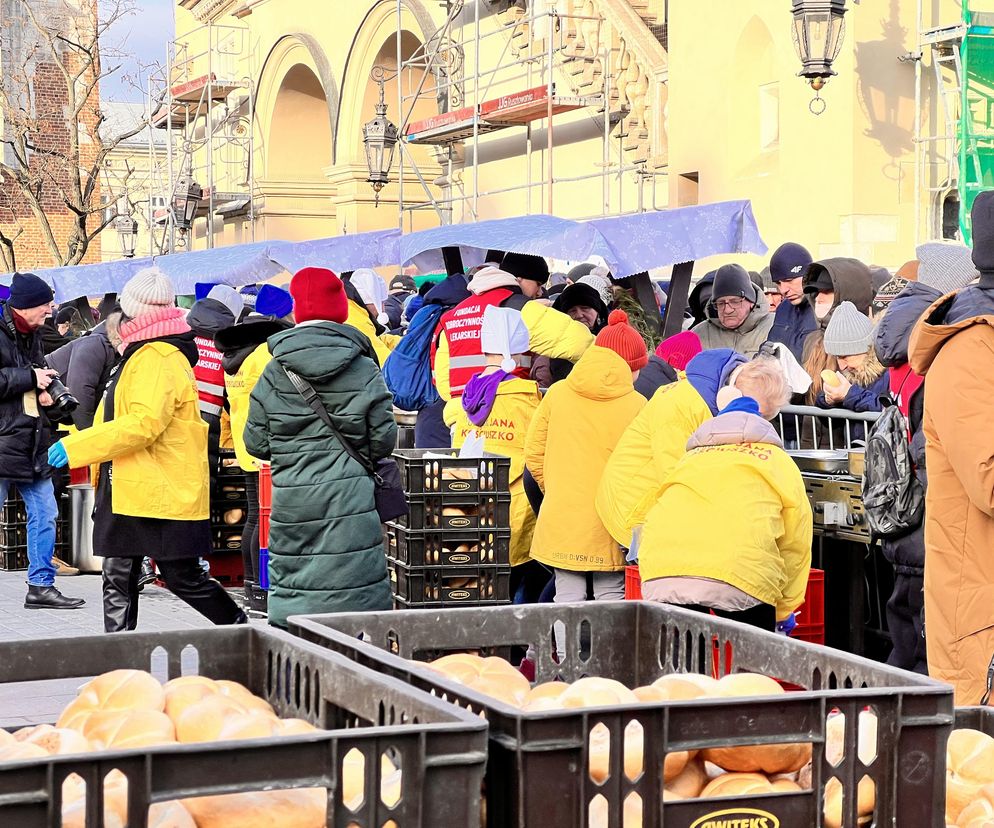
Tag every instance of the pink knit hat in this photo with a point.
(169, 321)
(679, 349)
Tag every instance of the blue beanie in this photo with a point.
(29, 291)
(273, 301)
(790, 261)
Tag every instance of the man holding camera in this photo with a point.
(24, 431)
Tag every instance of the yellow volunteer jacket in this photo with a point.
(504, 432)
(239, 387)
(157, 441)
(359, 319)
(570, 440)
(550, 333)
(645, 455)
(734, 509)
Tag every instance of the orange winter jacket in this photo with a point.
(957, 361)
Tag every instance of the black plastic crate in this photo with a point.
(535, 773)
(14, 558)
(13, 510)
(229, 490)
(453, 547)
(227, 539)
(422, 475)
(15, 534)
(219, 512)
(439, 586)
(483, 511)
(439, 750)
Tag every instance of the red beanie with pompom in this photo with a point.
(624, 340)
(318, 294)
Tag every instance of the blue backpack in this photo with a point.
(407, 370)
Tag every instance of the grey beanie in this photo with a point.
(849, 332)
(230, 298)
(945, 266)
(733, 280)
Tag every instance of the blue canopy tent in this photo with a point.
(630, 245)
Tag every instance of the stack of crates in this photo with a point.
(265, 515)
(453, 547)
(14, 532)
(229, 512)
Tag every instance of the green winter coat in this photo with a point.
(325, 541)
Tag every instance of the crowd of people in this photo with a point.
(622, 446)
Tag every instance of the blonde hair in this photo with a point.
(764, 380)
(815, 361)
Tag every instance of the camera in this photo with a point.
(63, 402)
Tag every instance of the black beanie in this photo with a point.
(29, 291)
(732, 280)
(525, 266)
(982, 218)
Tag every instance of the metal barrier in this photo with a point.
(792, 424)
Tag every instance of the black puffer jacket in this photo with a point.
(24, 439)
(654, 376)
(85, 365)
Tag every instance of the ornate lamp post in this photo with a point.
(185, 202)
(127, 234)
(819, 28)
(379, 137)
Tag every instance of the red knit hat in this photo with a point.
(318, 294)
(624, 340)
(679, 349)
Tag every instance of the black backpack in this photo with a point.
(893, 498)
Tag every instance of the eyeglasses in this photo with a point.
(730, 304)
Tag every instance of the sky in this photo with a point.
(141, 36)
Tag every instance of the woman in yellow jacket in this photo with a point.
(731, 528)
(367, 291)
(570, 440)
(499, 407)
(244, 354)
(151, 445)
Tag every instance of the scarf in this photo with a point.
(21, 324)
(481, 391)
(159, 324)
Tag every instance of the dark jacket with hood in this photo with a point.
(851, 282)
(700, 296)
(657, 373)
(325, 542)
(892, 339)
(24, 439)
(792, 324)
(85, 365)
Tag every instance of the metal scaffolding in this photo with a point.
(205, 105)
(543, 74)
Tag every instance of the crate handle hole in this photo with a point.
(599, 754)
(391, 777)
(158, 664)
(354, 780)
(634, 751)
(584, 640)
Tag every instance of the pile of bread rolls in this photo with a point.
(714, 772)
(970, 780)
(132, 709)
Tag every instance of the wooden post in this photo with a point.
(676, 302)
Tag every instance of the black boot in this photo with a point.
(120, 593)
(48, 597)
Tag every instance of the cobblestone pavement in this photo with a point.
(22, 703)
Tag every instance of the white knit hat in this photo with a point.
(945, 266)
(230, 298)
(503, 332)
(849, 332)
(600, 280)
(146, 292)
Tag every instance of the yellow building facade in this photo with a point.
(657, 104)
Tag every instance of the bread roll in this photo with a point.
(458, 511)
(54, 740)
(830, 378)
(19, 751)
(116, 690)
(160, 815)
(770, 759)
(6, 738)
(969, 767)
(203, 720)
(233, 516)
(244, 696)
(123, 729)
(737, 784)
(597, 692)
(649, 694)
(184, 691)
(547, 690)
(689, 783)
(296, 808)
(685, 686)
(251, 725)
(294, 727)
(492, 676)
(978, 814)
(458, 474)
(865, 800)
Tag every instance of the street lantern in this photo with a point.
(127, 234)
(818, 32)
(186, 199)
(379, 136)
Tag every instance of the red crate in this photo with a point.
(811, 614)
(265, 486)
(228, 569)
(633, 584)
(264, 513)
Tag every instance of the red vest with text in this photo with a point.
(461, 327)
(210, 377)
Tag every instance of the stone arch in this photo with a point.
(296, 110)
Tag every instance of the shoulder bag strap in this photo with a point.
(311, 398)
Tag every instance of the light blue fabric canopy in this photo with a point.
(629, 244)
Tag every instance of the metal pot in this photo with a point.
(81, 498)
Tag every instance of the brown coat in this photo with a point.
(957, 361)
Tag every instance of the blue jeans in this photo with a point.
(43, 511)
